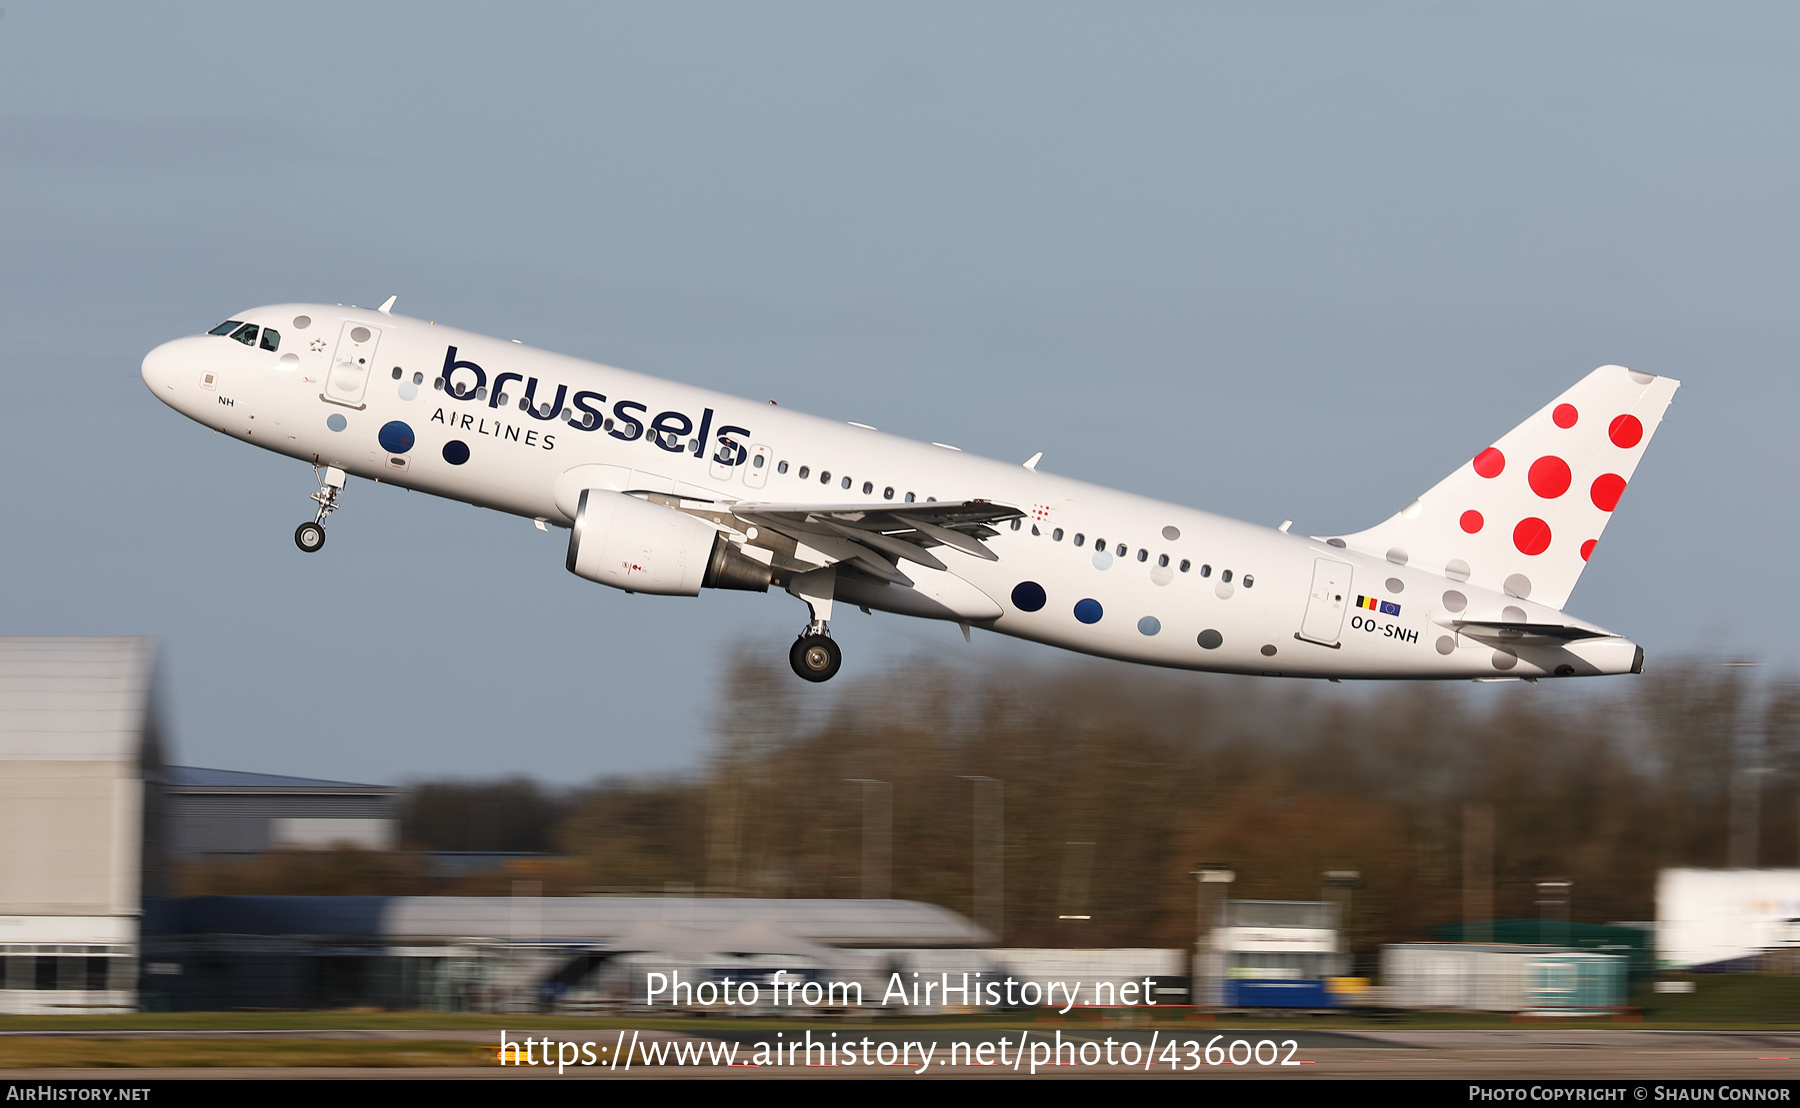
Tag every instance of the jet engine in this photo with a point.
(638, 546)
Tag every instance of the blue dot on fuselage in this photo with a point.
(336, 421)
(1028, 596)
(456, 452)
(1149, 625)
(395, 437)
(1088, 611)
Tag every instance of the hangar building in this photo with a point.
(223, 811)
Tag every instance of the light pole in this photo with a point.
(1340, 886)
(877, 837)
(1072, 898)
(1746, 817)
(1553, 907)
(1208, 876)
(990, 858)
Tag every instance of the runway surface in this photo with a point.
(1632, 1056)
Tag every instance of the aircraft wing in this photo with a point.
(1502, 633)
(875, 538)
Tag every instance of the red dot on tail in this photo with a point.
(1587, 548)
(1565, 415)
(1490, 462)
(1608, 487)
(1626, 432)
(1532, 536)
(1472, 521)
(1550, 477)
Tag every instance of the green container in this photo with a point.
(1570, 981)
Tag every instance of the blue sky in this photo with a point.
(1278, 260)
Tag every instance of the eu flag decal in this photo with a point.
(1389, 608)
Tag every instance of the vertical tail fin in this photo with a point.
(1524, 515)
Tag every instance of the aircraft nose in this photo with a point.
(158, 369)
(164, 365)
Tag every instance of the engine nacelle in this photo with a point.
(638, 546)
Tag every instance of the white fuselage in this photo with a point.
(1152, 582)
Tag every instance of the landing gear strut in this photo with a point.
(814, 656)
(311, 536)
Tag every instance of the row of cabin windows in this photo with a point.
(868, 487)
(246, 333)
(1143, 555)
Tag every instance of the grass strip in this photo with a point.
(72, 1053)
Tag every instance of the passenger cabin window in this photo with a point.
(887, 493)
(1056, 535)
(781, 467)
(246, 334)
(271, 340)
(226, 327)
(1225, 577)
(1186, 565)
(804, 470)
(1206, 571)
(825, 477)
(1080, 539)
(868, 488)
(1016, 523)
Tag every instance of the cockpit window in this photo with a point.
(246, 334)
(226, 327)
(271, 339)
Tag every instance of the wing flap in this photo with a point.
(875, 538)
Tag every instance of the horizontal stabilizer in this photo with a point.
(1502, 633)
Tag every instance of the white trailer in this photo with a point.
(1708, 916)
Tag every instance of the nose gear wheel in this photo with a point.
(311, 536)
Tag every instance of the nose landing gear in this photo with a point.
(311, 536)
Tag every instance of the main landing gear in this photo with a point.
(311, 536)
(814, 656)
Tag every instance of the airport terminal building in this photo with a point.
(81, 813)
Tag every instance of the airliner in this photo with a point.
(667, 489)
